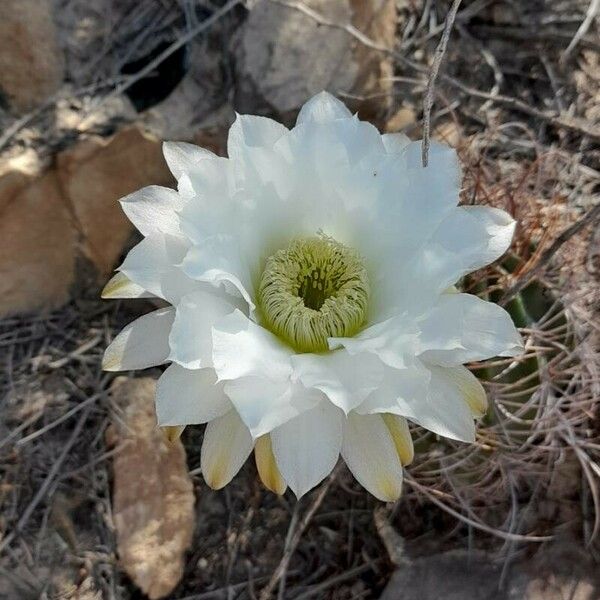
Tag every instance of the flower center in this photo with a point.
(314, 289)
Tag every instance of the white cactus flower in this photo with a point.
(312, 314)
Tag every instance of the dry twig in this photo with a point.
(435, 68)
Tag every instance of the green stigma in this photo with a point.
(314, 289)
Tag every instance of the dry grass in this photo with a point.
(534, 470)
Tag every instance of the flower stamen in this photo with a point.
(314, 289)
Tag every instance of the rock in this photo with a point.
(37, 241)
(94, 174)
(153, 498)
(31, 62)
(453, 575)
(49, 218)
(195, 99)
(560, 571)
(275, 50)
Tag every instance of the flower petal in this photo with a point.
(263, 404)
(153, 209)
(463, 328)
(344, 378)
(306, 448)
(226, 446)
(250, 131)
(371, 455)
(187, 397)
(182, 157)
(241, 348)
(395, 143)
(191, 338)
(321, 108)
(142, 344)
(424, 397)
(120, 286)
(394, 341)
(217, 260)
(267, 467)
(398, 428)
(153, 265)
(468, 386)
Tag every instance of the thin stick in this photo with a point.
(592, 215)
(435, 68)
(592, 12)
(295, 539)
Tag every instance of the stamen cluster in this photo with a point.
(314, 289)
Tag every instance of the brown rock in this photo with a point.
(31, 62)
(94, 174)
(153, 499)
(37, 243)
(276, 50)
(557, 572)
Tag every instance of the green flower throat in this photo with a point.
(314, 289)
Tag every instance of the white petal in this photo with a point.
(241, 348)
(468, 386)
(371, 455)
(250, 131)
(395, 143)
(187, 397)
(120, 286)
(143, 343)
(226, 446)
(463, 328)
(394, 341)
(344, 378)
(153, 209)
(322, 108)
(217, 260)
(402, 391)
(499, 226)
(307, 447)
(182, 157)
(154, 265)
(430, 402)
(191, 338)
(208, 203)
(442, 162)
(267, 466)
(263, 404)
(466, 240)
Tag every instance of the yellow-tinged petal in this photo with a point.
(470, 387)
(172, 432)
(226, 446)
(120, 286)
(370, 453)
(267, 467)
(398, 427)
(451, 290)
